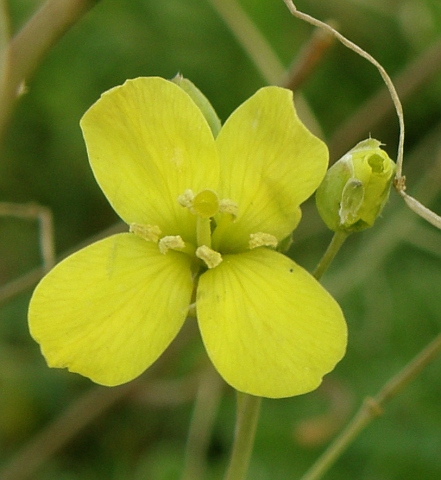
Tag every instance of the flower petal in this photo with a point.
(270, 164)
(148, 142)
(109, 310)
(269, 327)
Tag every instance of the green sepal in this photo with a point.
(201, 101)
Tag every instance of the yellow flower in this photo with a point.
(204, 214)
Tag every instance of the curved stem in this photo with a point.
(248, 408)
(337, 241)
(374, 110)
(384, 75)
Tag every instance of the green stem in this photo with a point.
(372, 408)
(248, 408)
(337, 241)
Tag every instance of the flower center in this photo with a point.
(205, 205)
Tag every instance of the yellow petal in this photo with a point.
(109, 310)
(269, 327)
(270, 164)
(148, 142)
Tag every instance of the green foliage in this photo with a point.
(386, 279)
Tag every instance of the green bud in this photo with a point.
(356, 188)
(201, 101)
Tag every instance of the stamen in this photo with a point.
(210, 257)
(228, 206)
(186, 199)
(150, 233)
(171, 242)
(261, 239)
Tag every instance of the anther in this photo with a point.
(171, 242)
(147, 232)
(209, 256)
(261, 239)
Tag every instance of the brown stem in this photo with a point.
(309, 57)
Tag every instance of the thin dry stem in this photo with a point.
(400, 180)
(378, 106)
(421, 210)
(355, 48)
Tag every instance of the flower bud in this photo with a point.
(356, 188)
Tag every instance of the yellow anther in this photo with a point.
(228, 206)
(147, 232)
(186, 199)
(171, 242)
(209, 256)
(261, 239)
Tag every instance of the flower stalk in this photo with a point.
(337, 241)
(248, 409)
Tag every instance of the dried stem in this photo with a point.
(355, 48)
(28, 47)
(377, 107)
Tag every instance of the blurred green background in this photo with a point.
(387, 279)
